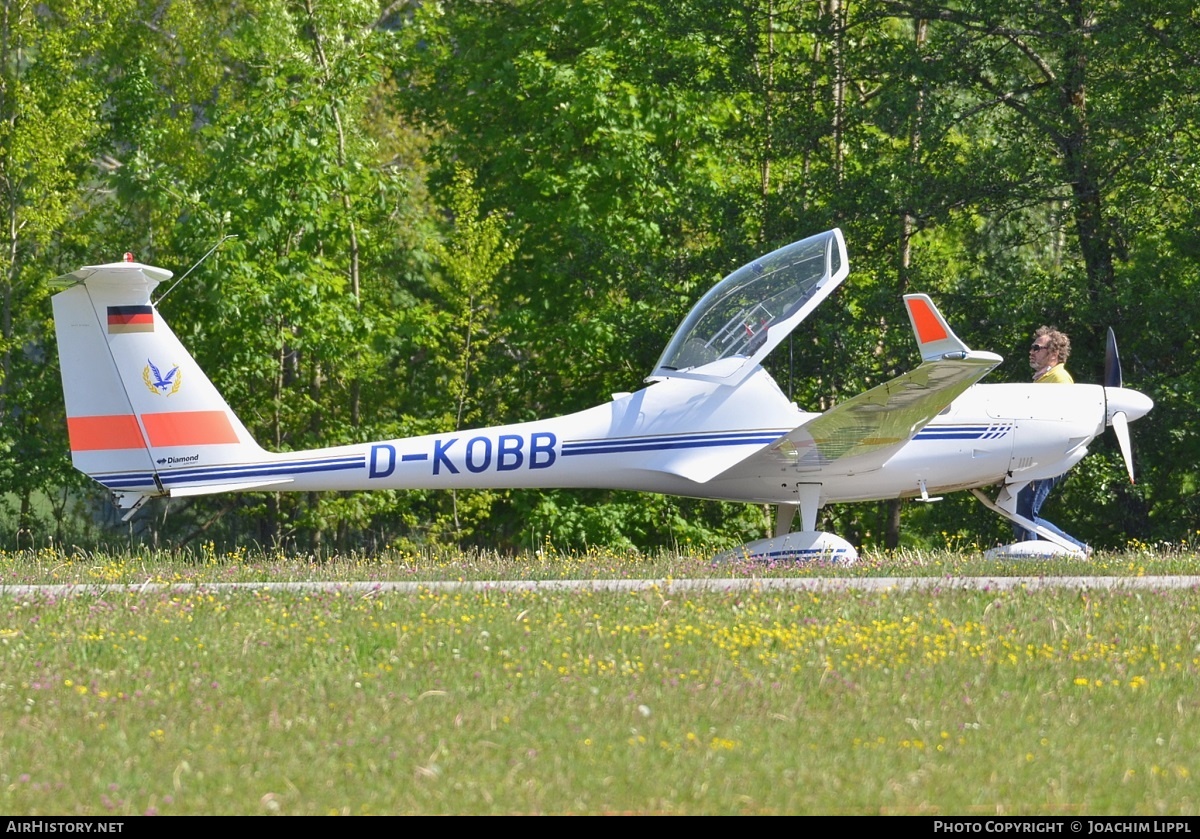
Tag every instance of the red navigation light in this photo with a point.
(128, 256)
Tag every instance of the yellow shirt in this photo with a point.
(1056, 375)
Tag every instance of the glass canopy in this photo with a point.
(748, 313)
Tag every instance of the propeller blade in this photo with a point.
(1112, 361)
(1120, 426)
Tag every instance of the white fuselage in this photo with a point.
(677, 436)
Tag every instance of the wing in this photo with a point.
(862, 433)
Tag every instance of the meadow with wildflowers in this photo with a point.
(189, 699)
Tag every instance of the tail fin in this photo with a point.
(140, 411)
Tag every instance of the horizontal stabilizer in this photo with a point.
(126, 275)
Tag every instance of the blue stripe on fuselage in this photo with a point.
(670, 442)
(992, 431)
(225, 472)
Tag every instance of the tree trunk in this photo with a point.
(1078, 165)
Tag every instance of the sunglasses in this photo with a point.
(1038, 348)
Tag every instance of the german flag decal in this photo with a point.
(122, 319)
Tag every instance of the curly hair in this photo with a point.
(1058, 342)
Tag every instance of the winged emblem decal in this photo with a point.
(156, 382)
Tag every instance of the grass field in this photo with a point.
(509, 701)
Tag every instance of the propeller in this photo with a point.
(1120, 427)
(1112, 361)
(1122, 404)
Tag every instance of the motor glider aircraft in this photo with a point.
(145, 421)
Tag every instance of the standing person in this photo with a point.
(1048, 356)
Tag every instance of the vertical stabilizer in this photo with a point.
(138, 405)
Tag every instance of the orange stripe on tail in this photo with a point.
(189, 428)
(89, 434)
(183, 428)
(929, 328)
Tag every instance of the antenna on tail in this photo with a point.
(194, 267)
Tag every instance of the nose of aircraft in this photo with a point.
(1131, 403)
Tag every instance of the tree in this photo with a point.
(49, 107)
(255, 122)
(1071, 110)
(1023, 163)
(468, 303)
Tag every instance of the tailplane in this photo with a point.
(140, 411)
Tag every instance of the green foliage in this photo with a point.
(579, 521)
(49, 119)
(463, 213)
(468, 299)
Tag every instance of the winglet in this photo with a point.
(935, 338)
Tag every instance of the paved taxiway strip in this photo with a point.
(365, 589)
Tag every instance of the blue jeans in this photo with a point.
(1029, 505)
